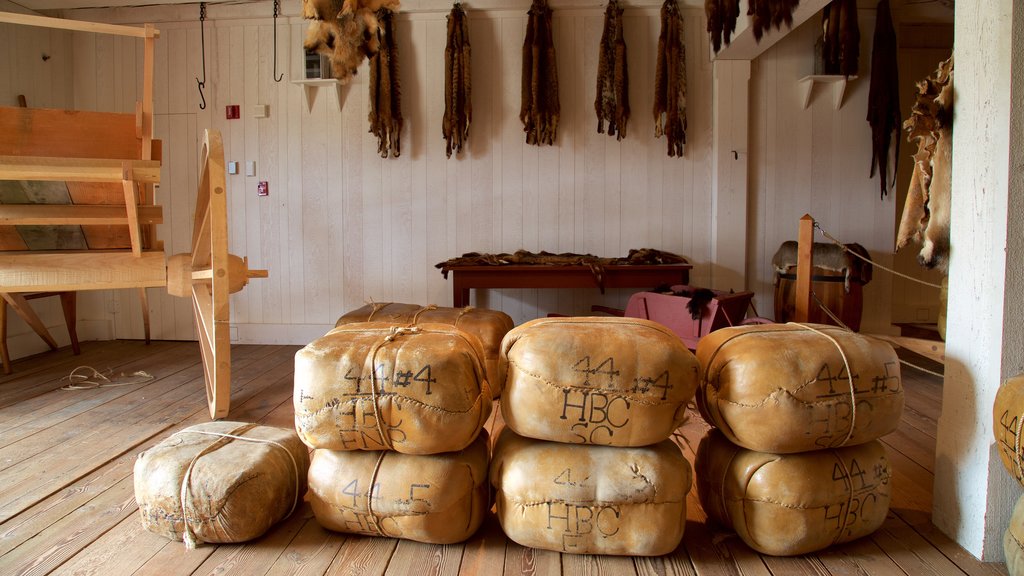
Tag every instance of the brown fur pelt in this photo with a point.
(767, 13)
(841, 41)
(346, 31)
(385, 90)
(883, 96)
(458, 104)
(670, 80)
(828, 256)
(641, 256)
(926, 212)
(721, 15)
(331, 9)
(612, 102)
(540, 110)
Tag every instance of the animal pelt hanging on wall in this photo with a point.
(884, 96)
(540, 109)
(385, 90)
(767, 13)
(841, 41)
(346, 31)
(670, 80)
(612, 102)
(721, 15)
(926, 212)
(458, 104)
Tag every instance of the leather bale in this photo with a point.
(1007, 418)
(1013, 541)
(590, 499)
(605, 381)
(236, 489)
(490, 326)
(788, 388)
(374, 386)
(439, 499)
(789, 504)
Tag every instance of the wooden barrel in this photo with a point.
(828, 287)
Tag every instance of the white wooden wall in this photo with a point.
(342, 226)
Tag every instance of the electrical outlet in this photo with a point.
(232, 112)
(263, 188)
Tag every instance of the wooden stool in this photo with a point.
(19, 301)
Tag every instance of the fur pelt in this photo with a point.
(540, 108)
(926, 212)
(612, 101)
(346, 31)
(458, 103)
(331, 9)
(385, 90)
(596, 264)
(765, 14)
(828, 256)
(721, 16)
(884, 96)
(670, 80)
(841, 37)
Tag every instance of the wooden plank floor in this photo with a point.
(67, 500)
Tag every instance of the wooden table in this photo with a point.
(549, 276)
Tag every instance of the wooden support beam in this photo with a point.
(77, 169)
(70, 214)
(80, 26)
(91, 270)
(804, 267)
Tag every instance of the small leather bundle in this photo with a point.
(375, 386)
(595, 380)
(490, 326)
(439, 499)
(590, 499)
(789, 504)
(788, 388)
(220, 482)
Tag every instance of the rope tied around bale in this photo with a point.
(188, 536)
(849, 377)
(427, 308)
(377, 521)
(393, 333)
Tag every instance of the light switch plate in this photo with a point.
(232, 167)
(250, 167)
(261, 110)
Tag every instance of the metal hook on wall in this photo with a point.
(277, 10)
(202, 43)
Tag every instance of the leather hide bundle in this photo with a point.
(926, 212)
(458, 86)
(612, 102)
(1013, 541)
(590, 499)
(386, 90)
(1007, 419)
(595, 380)
(784, 388)
(789, 504)
(236, 488)
(375, 386)
(490, 326)
(346, 31)
(670, 80)
(440, 499)
(540, 109)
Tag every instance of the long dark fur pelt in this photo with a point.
(540, 109)
(884, 97)
(386, 91)
(612, 101)
(699, 299)
(458, 101)
(670, 81)
(841, 39)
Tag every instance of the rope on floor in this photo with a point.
(87, 378)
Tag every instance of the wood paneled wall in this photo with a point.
(342, 226)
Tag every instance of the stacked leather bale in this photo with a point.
(795, 465)
(585, 464)
(395, 415)
(1007, 420)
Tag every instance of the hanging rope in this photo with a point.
(277, 10)
(868, 260)
(202, 43)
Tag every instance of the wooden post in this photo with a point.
(804, 268)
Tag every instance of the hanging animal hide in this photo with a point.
(841, 37)
(767, 13)
(670, 81)
(540, 108)
(926, 212)
(884, 96)
(612, 102)
(721, 15)
(345, 31)
(458, 104)
(385, 90)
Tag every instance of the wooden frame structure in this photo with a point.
(109, 163)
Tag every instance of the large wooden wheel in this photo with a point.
(209, 274)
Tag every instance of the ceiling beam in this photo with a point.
(743, 45)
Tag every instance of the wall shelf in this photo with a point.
(838, 82)
(311, 86)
